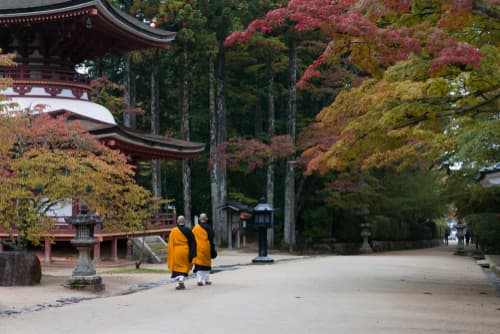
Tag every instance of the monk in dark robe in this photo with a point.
(181, 252)
(205, 250)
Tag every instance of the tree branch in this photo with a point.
(485, 9)
(458, 110)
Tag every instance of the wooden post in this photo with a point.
(238, 236)
(129, 248)
(97, 252)
(244, 223)
(230, 231)
(48, 251)
(114, 249)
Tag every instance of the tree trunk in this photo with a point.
(257, 118)
(221, 137)
(186, 135)
(155, 119)
(289, 214)
(218, 174)
(129, 119)
(270, 168)
(213, 153)
(186, 185)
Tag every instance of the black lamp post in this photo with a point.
(262, 218)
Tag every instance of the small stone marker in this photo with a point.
(483, 263)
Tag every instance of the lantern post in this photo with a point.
(262, 219)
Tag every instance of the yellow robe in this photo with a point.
(178, 252)
(203, 257)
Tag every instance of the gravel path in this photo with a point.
(417, 291)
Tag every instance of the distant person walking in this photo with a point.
(205, 250)
(181, 252)
(468, 236)
(447, 232)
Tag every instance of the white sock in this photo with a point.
(206, 274)
(177, 280)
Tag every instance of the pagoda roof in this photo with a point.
(86, 109)
(117, 31)
(144, 146)
(99, 122)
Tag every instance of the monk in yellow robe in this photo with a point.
(181, 251)
(205, 250)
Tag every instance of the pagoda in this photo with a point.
(49, 39)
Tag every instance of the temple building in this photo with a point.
(49, 39)
(490, 176)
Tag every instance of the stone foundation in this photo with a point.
(91, 283)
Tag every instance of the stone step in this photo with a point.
(483, 263)
(153, 249)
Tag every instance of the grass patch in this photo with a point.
(136, 271)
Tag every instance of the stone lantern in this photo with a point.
(84, 275)
(365, 234)
(365, 230)
(262, 218)
(460, 227)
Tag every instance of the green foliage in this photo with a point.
(399, 206)
(470, 197)
(243, 198)
(346, 227)
(384, 228)
(486, 230)
(477, 205)
(413, 196)
(315, 220)
(316, 223)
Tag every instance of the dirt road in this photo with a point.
(417, 291)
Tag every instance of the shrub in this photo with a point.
(486, 230)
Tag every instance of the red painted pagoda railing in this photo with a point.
(52, 73)
(46, 77)
(160, 222)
